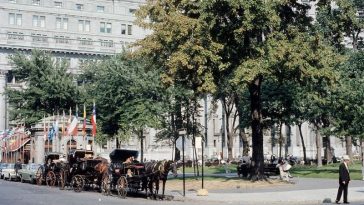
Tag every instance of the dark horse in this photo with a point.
(160, 170)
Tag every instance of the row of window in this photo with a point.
(61, 39)
(62, 24)
(77, 6)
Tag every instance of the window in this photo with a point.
(37, 37)
(58, 4)
(85, 41)
(79, 7)
(132, 11)
(123, 29)
(38, 21)
(36, 2)
(18, 19)
(15, 36)
(62, 23)
(15, 19)
(100, 8)
(62, 39)
(84, 25)
(106, 43)
(11, 18)
(105, 27)
(130, 29)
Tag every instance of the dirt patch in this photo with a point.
(217, 184)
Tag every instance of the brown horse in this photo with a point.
(102, 169)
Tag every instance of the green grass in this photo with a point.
(327, 171)
(212, 169)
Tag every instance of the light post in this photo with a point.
(182, 133)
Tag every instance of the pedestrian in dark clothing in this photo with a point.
(17, 166)
(344, 179)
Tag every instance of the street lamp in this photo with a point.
(182, 132)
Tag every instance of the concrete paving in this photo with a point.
(302, 191)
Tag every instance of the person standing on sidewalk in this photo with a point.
(344, 179)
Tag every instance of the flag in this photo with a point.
(44, 129)
(56, 126)
(84, 121)
(75, 130)
(93, 120)
(63, 126)
(69, 122)
(72, 126)
(51, 133)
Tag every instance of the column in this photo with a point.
(3, 109)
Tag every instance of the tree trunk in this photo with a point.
(280, 139)
(244, 138)
(229, 132)
(303, 144)
(257, 171)
(318, 146)
(349, 145)
(141, 137)
(328, 153)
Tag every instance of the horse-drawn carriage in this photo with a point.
(80, 172)
(124, 173)
(49, 172)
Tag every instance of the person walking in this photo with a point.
(344, 179)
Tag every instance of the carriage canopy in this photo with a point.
(73, 155)
(120, 155)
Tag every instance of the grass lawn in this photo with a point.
(330, 171)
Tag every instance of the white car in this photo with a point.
(8, 172)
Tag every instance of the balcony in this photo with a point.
(24, 39)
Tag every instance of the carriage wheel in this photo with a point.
(78, 183)
(62, 179)
(122, 186)
(105, 185)
(39, 176)
(51, 178)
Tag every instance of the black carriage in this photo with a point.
(80, 172)
(49, 172)
(125, 174)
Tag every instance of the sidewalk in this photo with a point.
(305, 191)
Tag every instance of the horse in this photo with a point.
(165, 168)
(101, 169)
(151, 179)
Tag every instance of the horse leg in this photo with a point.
(164, 187)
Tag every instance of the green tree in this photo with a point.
(47, 87)
(209, 42)
(129, 97)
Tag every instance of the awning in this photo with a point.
(18, 143)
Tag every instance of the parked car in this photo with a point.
(27, 173)
(8, 172)
(2, 165)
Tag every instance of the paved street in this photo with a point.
(304, 191)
